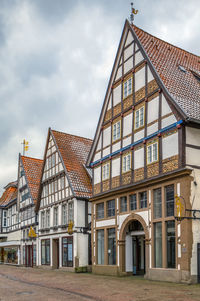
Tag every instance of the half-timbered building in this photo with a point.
(64, 211)
(145, 160)
(29, 175)
(9, 226)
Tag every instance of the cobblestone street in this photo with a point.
(37, 284)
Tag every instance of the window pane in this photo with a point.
(157, 203)
(123, 204)
(100, 210)
(111, 246)
(170, 235)
(169, 199)
(158, 245)
(143, 199)
(100, 245)
(111, 208)
(133, 202)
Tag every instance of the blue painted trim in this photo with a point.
(167, 128)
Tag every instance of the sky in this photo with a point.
(56, 57)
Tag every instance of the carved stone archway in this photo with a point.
(122, 235)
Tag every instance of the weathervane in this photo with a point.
(133, 12)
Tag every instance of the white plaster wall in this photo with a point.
(97, 156)
(170, 146)
(139, 135)
(128, 65)
(75, 212)
(16, 235)
(145, 216)
(106, 151)
(168, 121)
(192, 156)
(80, 213)
(82, 249)
(192, 136)
(121, 218)
(109, 103)
(139, 158)
(150, 75)
(140, 79)
(128, 52)
(127, 125)
(104, 223)
(97, 175)
(115, 146)
(138, 57)
(129, 253)
(152, 128)
(106, 136)
(129, 38)
(126, 141)
(117, 95)
(99, 143)
(119, 73)
(153, 107)
(115, 167)
(165, 107)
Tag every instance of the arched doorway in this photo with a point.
(133, 247)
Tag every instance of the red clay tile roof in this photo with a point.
(74, 151)
(33, 170)
(10, 194)
(166, 59)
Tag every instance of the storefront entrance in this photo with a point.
(138, 251)
(55, 248)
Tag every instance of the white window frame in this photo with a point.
(126, 162)
(152, 152)
(105, 171)
(42, 219)
(128, 87)
(55, 216)
(48, 218)
(64, 214)
(116, 131)
(139, 118)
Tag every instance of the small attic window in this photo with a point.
(182, 68)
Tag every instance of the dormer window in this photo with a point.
(127, 88)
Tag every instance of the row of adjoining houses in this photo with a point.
(129, 201)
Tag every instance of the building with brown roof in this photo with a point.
(29, 176)
(63, 207)
(145, 161)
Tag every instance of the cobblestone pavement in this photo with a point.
(17, 283)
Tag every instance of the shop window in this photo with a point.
(133, 202)
(111, 208)
(100, 210)
(100, 246)
(45, 251)
(123, 204)
(143, 199)
(127, 88)
(126, 162)
(67, 250)
(111, 246)
(158, 245)
(116, 131)
(152, 153)
(157, 203)
(105, 171)
(171, 251)
(139, 118)
(169, 200)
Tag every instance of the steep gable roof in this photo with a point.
(33, 169)
(176, 68)
(74, 151)
(9, 195)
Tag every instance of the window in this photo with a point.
(111, 208)
(139, 118)
(42, 219)
(5, 218)
(67, 249)
(48, 218)
(133, 202)
(152, 153)
(123, 204)
(71, 211)
(105, 171)
(126, 162)
(127, 87)
(62, 183)
(100, 246)
(158, 245)
(171, 251)
(64, 214)
(157, 203)
(100, 210)
(169, 200)
(45, 251)
(143, 199)
(55, 216)
(116, 131)
(111, 246)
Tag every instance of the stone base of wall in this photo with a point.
(171, 275)
(111, 270)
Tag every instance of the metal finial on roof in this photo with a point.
(133, 12)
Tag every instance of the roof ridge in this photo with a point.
(32, 158)
(78, 136)
(134, 26)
